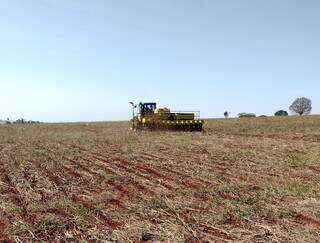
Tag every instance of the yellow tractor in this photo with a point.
(152, 118)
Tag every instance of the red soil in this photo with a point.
(307, 220)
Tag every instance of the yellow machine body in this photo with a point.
(150, 117)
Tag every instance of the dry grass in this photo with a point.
(242, 180)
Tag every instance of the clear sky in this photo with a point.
(81, 60)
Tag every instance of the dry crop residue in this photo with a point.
(102, 182)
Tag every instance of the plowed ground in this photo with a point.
(249, 180)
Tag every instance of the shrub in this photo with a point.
(243, 114)
(281, 113)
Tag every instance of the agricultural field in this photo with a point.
(242, 180)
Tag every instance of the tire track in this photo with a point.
(121, 192)
(140, 166)
(83, 167)
(221, 166)
(176, 172)
(12, 187)
(75, 198)
(60, 185)
(145, 173)
(142, 160)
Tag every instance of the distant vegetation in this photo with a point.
(301, 106)
(19, 121)
(243, 114)
(281, 113)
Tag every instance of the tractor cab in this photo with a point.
(147, 108)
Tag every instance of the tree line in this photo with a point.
(300, 106)
(19, 121)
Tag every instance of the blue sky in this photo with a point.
(80, 60)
